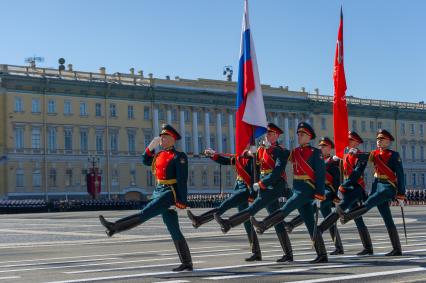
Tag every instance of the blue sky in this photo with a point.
(385, 41)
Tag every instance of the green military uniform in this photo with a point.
(273, 185)
(388, 184)
(170, 168)
(241, 197)
(308, 183)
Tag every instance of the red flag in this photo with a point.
(340, 110)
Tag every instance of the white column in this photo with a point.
(195, 132)
(155, 120)
(207, 127)
(169, 116)
(182, 130)
(296, 122)
(219, 131)
(286, 132)
(231, 133)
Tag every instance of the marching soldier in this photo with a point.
(353, 190)
(388, 184)
(243, 194)
(332, 183)
(308, 184)
(170, 167)
(272, 160)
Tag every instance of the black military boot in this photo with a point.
(366, 242)
(329, 221)
(184, 256)
(123, 224)
(197, 221)
(296, 221)
(396, 244)
(234, 220)
(335, 235)
(268, 222)
(255, 248)
(286, 246)
(354, 213)
(320, 249)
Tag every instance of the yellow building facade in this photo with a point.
(52, 122)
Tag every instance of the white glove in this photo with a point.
(256, 187)
(252, 149)
(266, 143)
(318, 203)
(209, 152)
(353, 151)
(401, 202)
(154, 143)
(336, 158)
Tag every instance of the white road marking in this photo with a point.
(364, 275)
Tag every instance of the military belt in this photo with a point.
(266, 171)
(167, 182)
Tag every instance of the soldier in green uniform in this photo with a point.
(170, 167)
(388, 184)
(308, 184)
(332, 177)
(353, 191)
(272, 159)
(243, 194)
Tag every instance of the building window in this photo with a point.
(323, 123)
(421, 129)
(98, 110)
(130, 112)
(83, 141)
(83, 181)
(200, 143)
(412, 129)
(83, 109)
(147, 138)
(68, 177)
(187, 118)
(100, 142)
(112, 110)
(146, 113)
(114, 142)
(68, 140)
(19, 104)
(35, 138)
(35, 105)
(36, 178)
(115, 178)
(413, 179)
(204, 177)
(51, 142)
(228, 178)
(363, 126)
(224, 143)
(52, 177)
(51, 106)
(131, 142)
(67, 107)
(19, 138)
(191, 177)
(216, 178)
(188, 140)
(404, 152)
(372, 129)
(354, 125)
(132, 175)
(19, 178)
(213, 141)
(403, 128)
(199, 117)
(149, 178)
(423, 180)
(413, 152)
(379, 125)
(174, 115)
(161, 114)
(422, 153)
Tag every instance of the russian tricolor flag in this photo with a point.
(250, 118)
